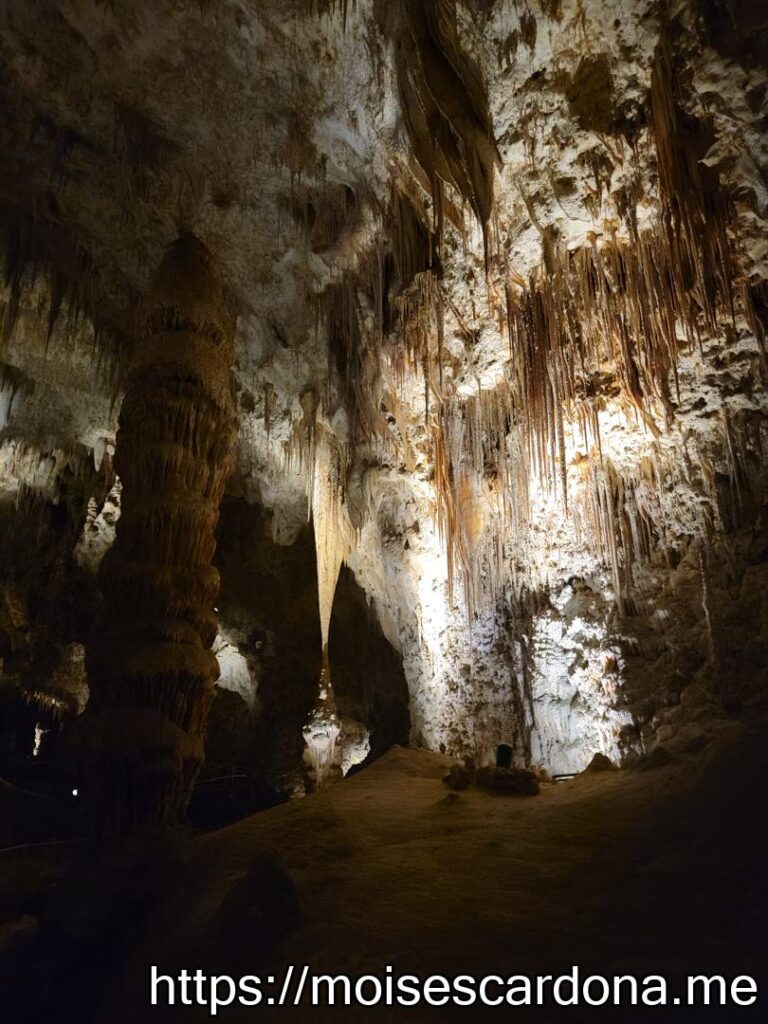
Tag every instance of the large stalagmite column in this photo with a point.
(150, 664)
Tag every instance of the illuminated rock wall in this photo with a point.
(511, 258)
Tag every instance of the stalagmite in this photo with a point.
(150, 664)
(505, 321)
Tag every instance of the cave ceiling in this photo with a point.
(500, 269)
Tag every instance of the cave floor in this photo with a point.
(645, 872)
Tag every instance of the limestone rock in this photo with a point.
(508, 781)
(601, 763)
(458, 777)
(469, 252)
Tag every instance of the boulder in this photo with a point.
(659, 757)
(458, 777)
(510, 781)
(601, 763)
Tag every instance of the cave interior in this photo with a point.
(383, 495)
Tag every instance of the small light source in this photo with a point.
(74, 792)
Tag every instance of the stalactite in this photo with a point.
(332, 545)
(354, 355)
(269, 400)
(38, 252)
(446, 109)
(706, 608)
(696, 210)
(616, 304)
(35, 248)
(333, 7)
(15, 387)
(150, 664)
(596, 327)
(331, 540)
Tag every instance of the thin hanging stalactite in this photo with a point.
(594, 329)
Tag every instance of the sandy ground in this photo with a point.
(651, 872)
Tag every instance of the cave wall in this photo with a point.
(269, 603)
(539, 346)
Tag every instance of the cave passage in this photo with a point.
(504, 754)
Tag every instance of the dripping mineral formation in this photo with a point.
(384, 375)
(500, 340)
(151, 670)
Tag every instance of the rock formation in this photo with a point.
(150, 665)
(504, 259)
